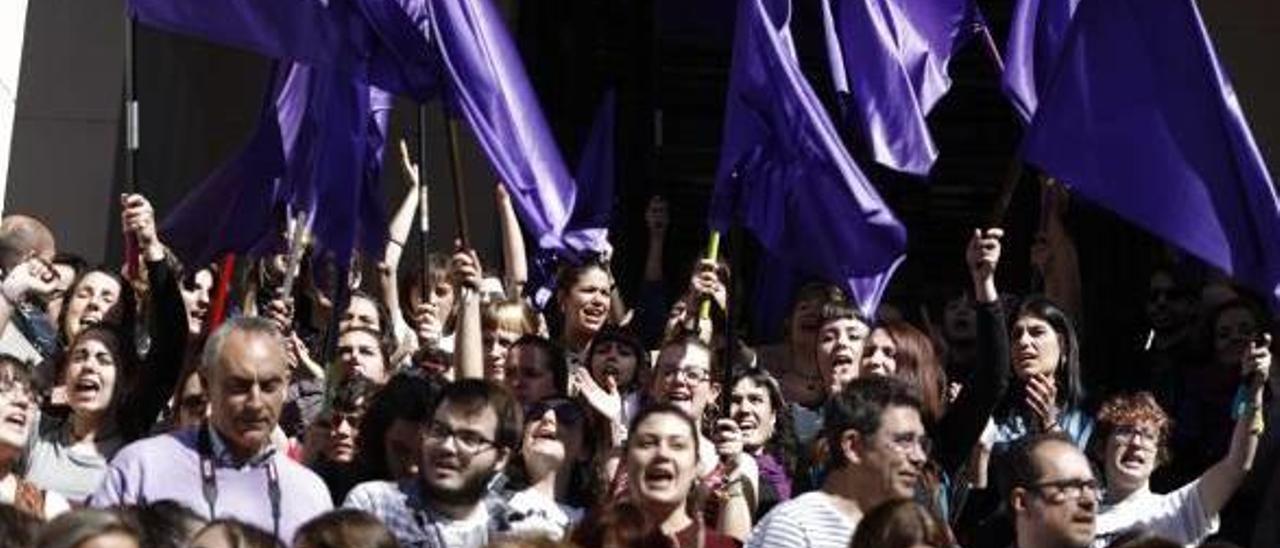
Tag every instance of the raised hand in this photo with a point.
(1256, 362)
(707, 284)
(1041, 399)
(657, 217)
(727, 438)
(605, 400)
(464, 267)
(983, 255)
(410, 168)
(33, 276)
(138, 218)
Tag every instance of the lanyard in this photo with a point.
(209, 481)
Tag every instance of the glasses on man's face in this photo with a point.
(1130, 434)
(906, 442)
(1060, 491)
(693, 374)
(467, 441)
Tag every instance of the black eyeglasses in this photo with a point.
(566, 411)
(1060, 491)
(469, 442)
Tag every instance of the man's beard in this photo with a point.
(470, 492)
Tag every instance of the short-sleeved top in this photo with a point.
(807, 521)
(55, 463)
(1179, 516)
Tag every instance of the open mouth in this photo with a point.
(593, 314)
(86, 385)
(679, 396)
(659, 477)
(16, 419)
(1131, 458)
(843, 359)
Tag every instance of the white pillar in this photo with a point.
(13, 24)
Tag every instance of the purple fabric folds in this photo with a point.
(487, 86)
(319, 145)
(588, 230)
(786, 176)
(1036, 35)
(889, 65)
(1140, 118)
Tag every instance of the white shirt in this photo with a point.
(1178, 516)
(534, 513)
(807, 521)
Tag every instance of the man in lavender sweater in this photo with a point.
(227, 467)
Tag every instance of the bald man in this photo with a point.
(26, 247)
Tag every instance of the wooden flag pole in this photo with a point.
(424, 216)
(459, 196)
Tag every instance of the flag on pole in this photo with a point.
(889, 64)
(785, 175)
(587, 232)
(330, 133)
(1140, 118)
(486, 84)
(1036, 34)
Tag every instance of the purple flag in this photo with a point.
(1140, 118)
(1036, 34)
(786, 176)
(487, 85)
(889, 64)
(331, 136)
(588, 228)
(377, 41)
(317, 149)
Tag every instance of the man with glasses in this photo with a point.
(877, 447)
(1053, 495)
(475, 428)
(1134, 432)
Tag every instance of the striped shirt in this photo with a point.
(807, 521)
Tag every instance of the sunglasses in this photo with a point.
(566, 411)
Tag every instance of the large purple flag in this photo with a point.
(332, 136)
(1140, 118)
(317, 149)
(1036, 34)
(889, 65)
(786, 176)
(487, 85)
(588, 230)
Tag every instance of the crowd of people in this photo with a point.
(437, 407)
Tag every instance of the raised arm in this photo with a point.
(652, 302)
(34, 276)
(402, 222)
(166, 322)
(468, 352)
(1054, 252)
(1220, 481)
(963, 424)
(513, 253)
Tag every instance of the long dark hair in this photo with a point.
(1066, 376)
